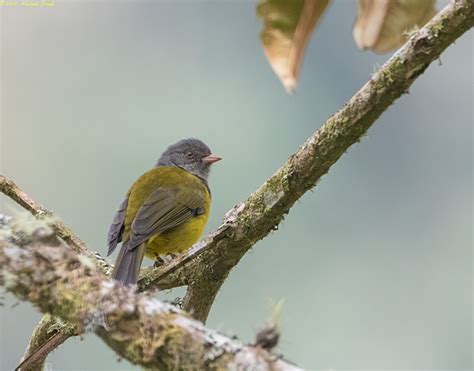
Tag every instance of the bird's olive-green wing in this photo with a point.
(165, 208)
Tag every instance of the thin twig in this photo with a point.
(34, 360)
(10, 189)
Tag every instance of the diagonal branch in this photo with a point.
(48, 334)
(204, 267)
(10, 189)
(263, 210)
(139, 328)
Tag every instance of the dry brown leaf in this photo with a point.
(381, 24)
(287, 28)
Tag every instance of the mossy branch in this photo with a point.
(207, 264)
(48, 334)
(142, 329)
(264, 210)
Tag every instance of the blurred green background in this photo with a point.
(375, 264)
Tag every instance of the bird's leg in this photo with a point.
(159, 261)
(163, 259)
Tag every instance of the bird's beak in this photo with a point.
(211, 159)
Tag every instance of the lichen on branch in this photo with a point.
(138, 327)
(205, 267)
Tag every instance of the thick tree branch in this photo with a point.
(140, 328)
(47, 335)
(207, 264)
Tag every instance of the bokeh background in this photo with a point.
(375, 265)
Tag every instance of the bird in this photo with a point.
(165, 210)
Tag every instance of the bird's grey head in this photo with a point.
(191, 155)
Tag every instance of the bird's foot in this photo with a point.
(158, 262)
(163, 259)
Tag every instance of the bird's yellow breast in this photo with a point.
(181, 237)
(178, 239)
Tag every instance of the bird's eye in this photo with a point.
(189, 154)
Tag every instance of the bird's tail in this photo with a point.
(127, 265)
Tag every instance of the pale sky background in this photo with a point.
(375, 265)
